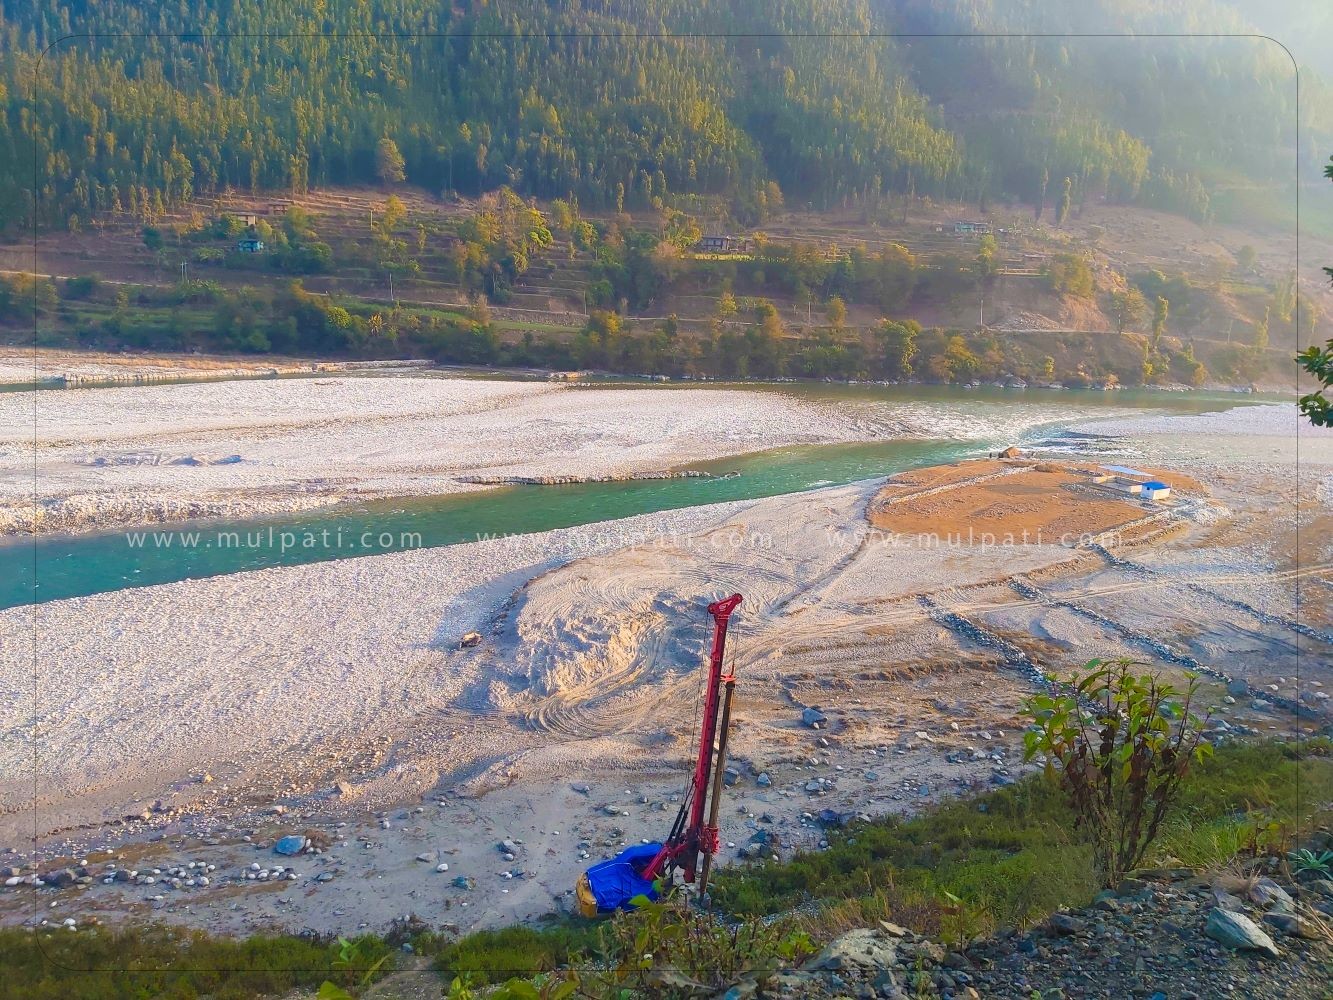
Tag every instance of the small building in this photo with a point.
(1156, 490)
(722, 244)
(965, 228)
(250, 245)
(1122, 485)
(249, 219)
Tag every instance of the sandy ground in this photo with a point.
(154, 453)
(21, 366)
(333, 697)
(1019, 501)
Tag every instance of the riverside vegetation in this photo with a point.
(632, 264)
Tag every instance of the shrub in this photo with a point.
(491, 956)
(81, 287)
(1121, 744)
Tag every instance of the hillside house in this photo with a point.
(965, 228)
(250, 245)
(722, 244)
(1156, 490)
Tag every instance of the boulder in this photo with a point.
(293, 844)
(60, 879)
(1266, 893)
(1292, 925)
(1063, 923)
(813, 718)
(863, 948)
(469, 640)
(1235, 930)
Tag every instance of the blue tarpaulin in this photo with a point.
(617, 881)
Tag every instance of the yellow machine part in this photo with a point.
(587, 901)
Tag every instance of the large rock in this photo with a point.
(1265, 892)
(813, 717)
(1235, 930)
(294, 844)
(1292, 925)
(863, 948)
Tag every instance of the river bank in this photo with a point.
(84, 460)
(336, 697)
(157, 454)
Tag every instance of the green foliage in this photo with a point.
(174, 964)
(1062, 207)
(1121, 744)
(84, 286)
(1160, 313)
(1306, 862)
(492, 956)
(1007, 857)
(389, 163)
(1318, 362)
(1070, 274)
(631, 105)
(1128, 307)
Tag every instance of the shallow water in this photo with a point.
(934, 424)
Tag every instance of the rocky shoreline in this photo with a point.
(1165, 933)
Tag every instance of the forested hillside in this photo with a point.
(630, 103)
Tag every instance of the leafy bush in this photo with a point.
(1122, 744)
(83, 286)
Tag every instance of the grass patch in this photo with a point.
(167, 963)
(1010, 857)
(493, 956)
(1248, 799)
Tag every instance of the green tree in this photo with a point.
(1128, 307)
(1120, 745)
(988, 266)
(1159, 316)
(726, 306)
(836, 311)
(1066, 197)
(1284, 298)
(1246, 257)
(897, 347)
(1261, 332)
(390, 167)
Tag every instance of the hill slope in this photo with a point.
(663, 100)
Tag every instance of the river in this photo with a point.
(968, 421)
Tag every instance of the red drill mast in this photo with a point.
(690, 835)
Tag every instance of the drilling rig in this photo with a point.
(648, 871)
